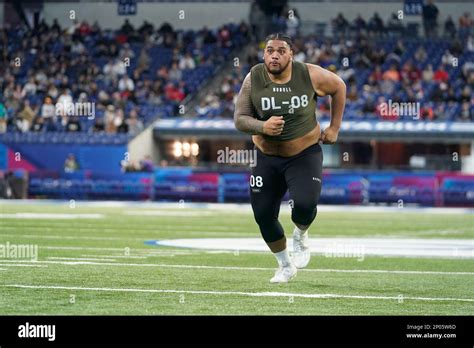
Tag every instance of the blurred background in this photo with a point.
(156, 82)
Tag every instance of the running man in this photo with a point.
(277, 106)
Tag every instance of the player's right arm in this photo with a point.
(245, 120)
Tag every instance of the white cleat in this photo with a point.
(284, 274)
(301, 253)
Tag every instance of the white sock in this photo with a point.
(298, 233)
(283, 257)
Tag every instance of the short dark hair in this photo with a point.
(281, 37)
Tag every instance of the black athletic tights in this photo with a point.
(272, 176)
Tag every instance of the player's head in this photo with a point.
(278, 53)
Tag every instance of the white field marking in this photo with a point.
(162, 227)
(20, 264)
(122, 250)
(50, 216)
(49, 236)
(79, 258)
(170, 213)
(115, 256)
(3, 269)
(43, 236)
(339, 247)
(240, 293)
(86, 263)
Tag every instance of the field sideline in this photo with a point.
(92, 259)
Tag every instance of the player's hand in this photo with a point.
(329, 135)
(274, 125)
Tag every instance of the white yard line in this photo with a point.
(240, 293)
(108, 257)
(49, 236)
(146, 252)
(79, 258)
(50, 216)
(21, 264)
(79, 263)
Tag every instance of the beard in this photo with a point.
(276, 70)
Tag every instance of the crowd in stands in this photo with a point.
(134, 75)
(130, 76)
(437, 73)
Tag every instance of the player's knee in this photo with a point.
(262, 215)
(304, 211)
(270, 228)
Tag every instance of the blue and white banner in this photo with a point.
(464, 130)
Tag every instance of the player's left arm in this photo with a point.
(327, 83)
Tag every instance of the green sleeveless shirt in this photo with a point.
(294, 100)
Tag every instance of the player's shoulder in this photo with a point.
(312, 67)
(254, 71)
(257, 67)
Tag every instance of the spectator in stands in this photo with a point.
(127, 27)
(465, 24)
(135, 125)
(114, 68)
(202, 109)
(187, 62)
(256, 19)
(174, 91)
(120, 124)
(224, 36)
(3, 117)
(449, 27)
(175, 74)
(126, 52)
(441, 74)
(126, 84)
(377, 74)
(428, 73)
(359, 24)
(339, 25)
(143, 60)
(70, 164)
(29, 88)
(439, 92)
(450, 96)
(25, 117)
(466, 112)
(292, 22)
(38, 124)
(375, 25)
(420, 55)
(353, 94)
(410, 72)
(146, 164)
(394, 25)
(299, 55)
(73, 124)
(109, 118)
(447, 58)
(430, 19)
(392, 74)
(466, 94)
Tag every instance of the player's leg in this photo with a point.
(303, 175)
(267, 188)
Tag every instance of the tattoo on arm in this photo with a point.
(244, 119)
